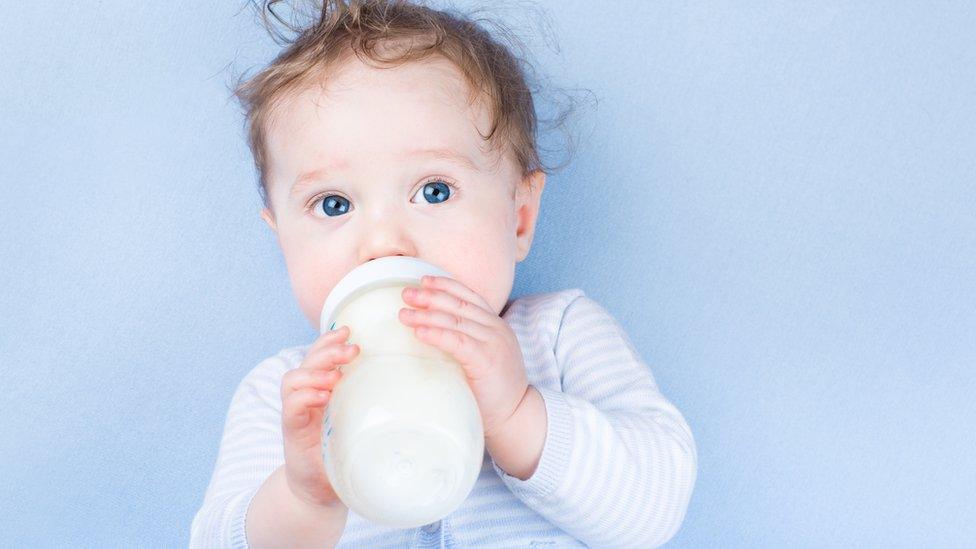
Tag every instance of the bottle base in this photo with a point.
(405, 477)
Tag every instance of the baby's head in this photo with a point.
(389, 128)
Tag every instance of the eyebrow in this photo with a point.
(449, 155)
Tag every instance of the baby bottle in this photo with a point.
(403, 441)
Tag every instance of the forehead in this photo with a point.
(367, 114)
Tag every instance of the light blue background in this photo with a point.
(778, 202)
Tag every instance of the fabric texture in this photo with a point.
(617, 469)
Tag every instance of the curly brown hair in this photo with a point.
(387, 33)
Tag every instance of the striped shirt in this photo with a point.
(617, 468)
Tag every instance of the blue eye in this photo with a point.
(436, 192)
(334, 205)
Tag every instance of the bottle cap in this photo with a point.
(383, 271)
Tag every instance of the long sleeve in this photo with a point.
(251, 448)
(619, 462)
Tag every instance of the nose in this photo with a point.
(386, 236)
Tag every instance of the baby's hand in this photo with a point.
(305, 391)
(455, 319)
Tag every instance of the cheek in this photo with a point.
(492, 262)
(496, 288)
(312, 275)
(485, 264)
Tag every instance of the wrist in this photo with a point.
(499, 430)
(278, 517)
(302, 501)
(516, 446)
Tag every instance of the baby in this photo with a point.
(390, 128)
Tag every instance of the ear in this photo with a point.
(528, 198)
(268, 218)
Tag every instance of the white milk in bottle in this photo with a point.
(403, 440)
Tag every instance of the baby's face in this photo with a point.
(389, 162)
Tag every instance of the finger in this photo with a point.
(457, 288)
(302, 378)
(457, 344)
(329, 357)
(432, 298)
(328, 338)
(442, 319)
(295, 410)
